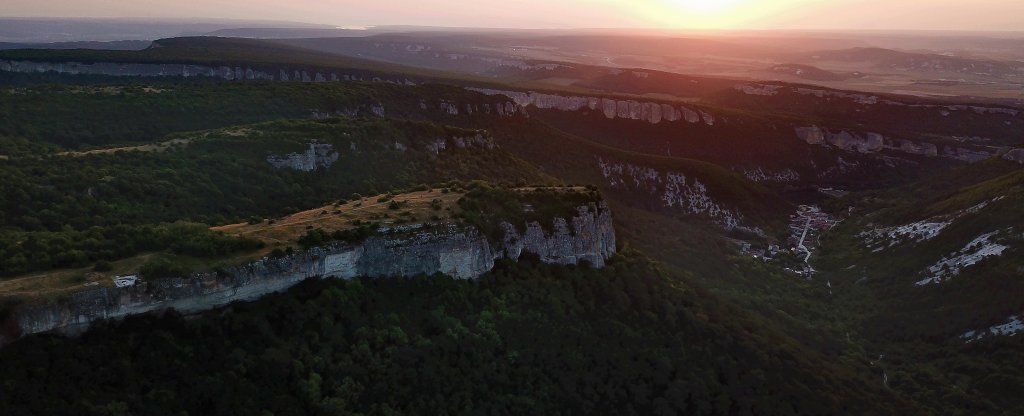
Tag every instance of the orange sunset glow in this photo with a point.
(672, 14)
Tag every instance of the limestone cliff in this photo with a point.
(229, 73)
(867, 142)
(784, 175)
(672, 190)
(457, 251)
(318, 156)
(869, 100)
(649, 111)
(589, 239)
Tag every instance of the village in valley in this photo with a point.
(805, 228)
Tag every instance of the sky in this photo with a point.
(971, 15)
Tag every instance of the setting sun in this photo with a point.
(705, 6)
(705, 14)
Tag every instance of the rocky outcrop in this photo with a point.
(479, 140)
(454, 250)
(858, 98)
(673, 190)
(982, 110)
(866, 142)
(135, 69)
(229, 73)
(651, 112)
(867, 99)
(777, 176)
(503, 109)
(364, 110)
(1016, 155)
(811, 135)
(318, 156)
(588, 239)
(458, 253)
(758, 89)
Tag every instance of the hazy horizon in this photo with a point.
(847, 15)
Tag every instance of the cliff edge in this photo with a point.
(457, 250)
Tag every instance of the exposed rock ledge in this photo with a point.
(651, 112)
(862, 142)
(318, 156)
(1016, 155)
(230, 73)
(459, 252)
(672, 190)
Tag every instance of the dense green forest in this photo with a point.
(25, 252)
(82, 116)
(69, 211)
(527, 338)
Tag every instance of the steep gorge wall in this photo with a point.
(230, 73)
(866, 142)
(649, 111)
(456, 251)
(672, 190)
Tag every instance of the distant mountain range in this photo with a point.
(48, 30)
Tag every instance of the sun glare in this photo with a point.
(705, 6)
(705, 14)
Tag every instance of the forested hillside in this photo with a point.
(627, 339)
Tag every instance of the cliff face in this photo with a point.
(458, 252)
(651, 112)
(590, 238)
(672, 190)
(318, 156)
(230, 73)
(873, 142)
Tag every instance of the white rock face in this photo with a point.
(949, 266)
(867, 142)
(1011, 327)
(650, 112)
(318, 156)
(689, 115)
(811, 135)
(758, 89)
(672, 189)
(588, 238)
(449, 249)
(914, 232)
(450, 108)
(882, 238)
(185, 70)
(984, 110)
(479, 140)
(778, 176)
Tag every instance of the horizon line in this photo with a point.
(370, 27)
